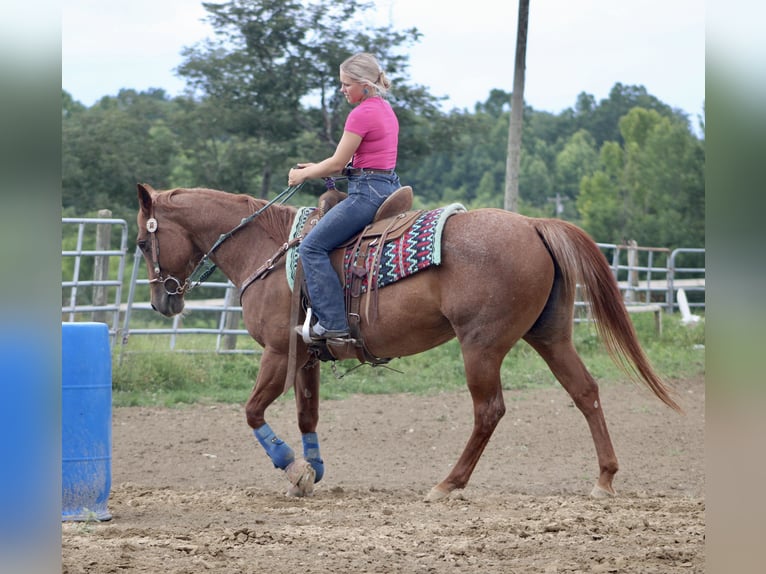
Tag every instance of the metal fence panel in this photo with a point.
(88, 298)
(225, 311)
(648, 279)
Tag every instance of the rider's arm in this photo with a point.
(334, 164)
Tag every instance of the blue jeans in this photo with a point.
(365, 195)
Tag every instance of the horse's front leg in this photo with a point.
(268, 386)
(307, 404)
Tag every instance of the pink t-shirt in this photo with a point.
(375, 121)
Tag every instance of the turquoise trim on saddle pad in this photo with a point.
(447, 211)
(291, 263)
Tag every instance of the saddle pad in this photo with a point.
(418, 248)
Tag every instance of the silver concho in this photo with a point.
(151, 225)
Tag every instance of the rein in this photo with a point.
(266, 268)
(205, 266)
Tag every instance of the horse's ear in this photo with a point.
(145, 195)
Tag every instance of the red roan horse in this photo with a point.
(502, 277)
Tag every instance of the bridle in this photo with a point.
(180, 288)
(205, 266)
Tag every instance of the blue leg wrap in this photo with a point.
(279, 452)
(311, 454)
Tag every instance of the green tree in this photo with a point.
(467, 151)
(667, 172)
(578, 159)
(651, 189)
(272, 74)
(109, 147)
(602, 120)
(600, 199)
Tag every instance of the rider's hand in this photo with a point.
(297, 176)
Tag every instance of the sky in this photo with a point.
(467, 48)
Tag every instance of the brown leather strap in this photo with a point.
(266, 268)
(295, 315)
(371, 311)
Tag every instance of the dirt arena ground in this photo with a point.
(193, 492)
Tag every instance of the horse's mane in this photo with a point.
(276, 220)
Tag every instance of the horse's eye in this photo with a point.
(143, 244)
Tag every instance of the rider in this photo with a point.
(366, 154)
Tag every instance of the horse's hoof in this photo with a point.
(296, 492)
(436, 494)
(599, 492)
(301, 475)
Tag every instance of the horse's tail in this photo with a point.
(580, 261)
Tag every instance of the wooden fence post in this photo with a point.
(229, 341)
(101, 265)
(629, 296)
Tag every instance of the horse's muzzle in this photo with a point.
(168, 305)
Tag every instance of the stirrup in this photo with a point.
(306, 329)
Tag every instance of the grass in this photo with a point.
(147, 376)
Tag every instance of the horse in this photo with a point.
(502, 277)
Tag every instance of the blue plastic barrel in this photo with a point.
(86, 421)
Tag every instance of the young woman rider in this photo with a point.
(366, 154)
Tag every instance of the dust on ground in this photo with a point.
(192, 491)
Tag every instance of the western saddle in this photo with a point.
(393, 218)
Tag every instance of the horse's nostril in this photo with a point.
(153, 307)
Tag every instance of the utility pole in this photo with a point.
(517, 112)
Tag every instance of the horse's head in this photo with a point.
(168, 251)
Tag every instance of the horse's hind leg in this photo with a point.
(482, 371)
(563, 360)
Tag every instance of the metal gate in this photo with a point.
(97, 272)
(225, 309)
(92, 288)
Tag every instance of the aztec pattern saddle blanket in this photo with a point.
(417, 248)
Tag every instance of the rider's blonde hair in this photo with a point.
(365, 69)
